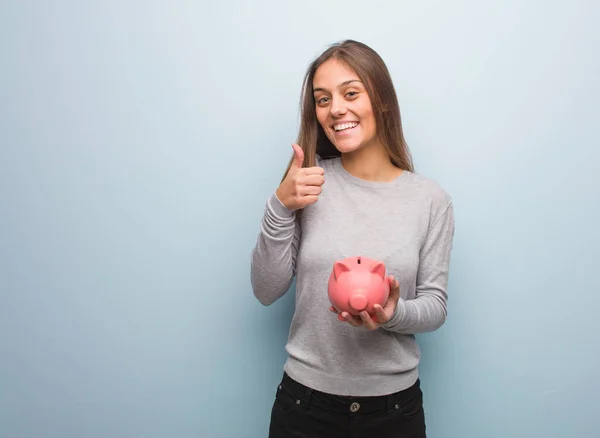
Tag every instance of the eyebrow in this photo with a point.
(341, 85)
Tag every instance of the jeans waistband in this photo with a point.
(347, 404)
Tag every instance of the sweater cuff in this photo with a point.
(278, 209)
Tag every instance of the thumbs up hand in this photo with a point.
(301, 186)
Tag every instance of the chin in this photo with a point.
(345, 148)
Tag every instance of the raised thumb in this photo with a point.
(298, 155)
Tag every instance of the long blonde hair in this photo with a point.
(373, 72)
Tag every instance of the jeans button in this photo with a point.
(354, 407)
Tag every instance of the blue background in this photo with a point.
(140, 140)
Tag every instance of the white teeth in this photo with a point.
(345, 126)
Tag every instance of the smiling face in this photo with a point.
(343, 107)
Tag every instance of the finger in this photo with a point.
(315, 170)
(298, 156)
(352, 320)
(395, 289)
(312, 180)
(309, 190)
(380, 314)
(367, 321)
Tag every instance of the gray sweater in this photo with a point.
(409, 225)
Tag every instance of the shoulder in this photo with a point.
(428, 187)
(325, 163)
(431, 193)
(319, 161)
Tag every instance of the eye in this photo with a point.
(322, 100)
(352, 94)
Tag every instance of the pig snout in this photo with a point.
(358, 301)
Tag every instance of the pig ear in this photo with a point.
(339, 268)
(379, 269)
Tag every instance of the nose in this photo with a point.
(338, 107)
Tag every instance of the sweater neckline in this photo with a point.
(341, 170)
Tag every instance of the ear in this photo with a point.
(339, 268)
(379, 269)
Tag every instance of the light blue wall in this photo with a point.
(140, 140)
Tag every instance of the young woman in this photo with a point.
(350, 190)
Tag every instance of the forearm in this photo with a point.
(274, 255)
(423, 314)
(428, 310)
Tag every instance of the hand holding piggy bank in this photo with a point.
(357, 284)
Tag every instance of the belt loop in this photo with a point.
(307, 394)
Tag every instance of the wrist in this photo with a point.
(282, 200)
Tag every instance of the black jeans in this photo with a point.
(301, 412)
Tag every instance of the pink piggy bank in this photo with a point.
(358, 283)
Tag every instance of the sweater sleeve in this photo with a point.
(428, 310)
(273, 260)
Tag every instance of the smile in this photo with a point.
(344, 126)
